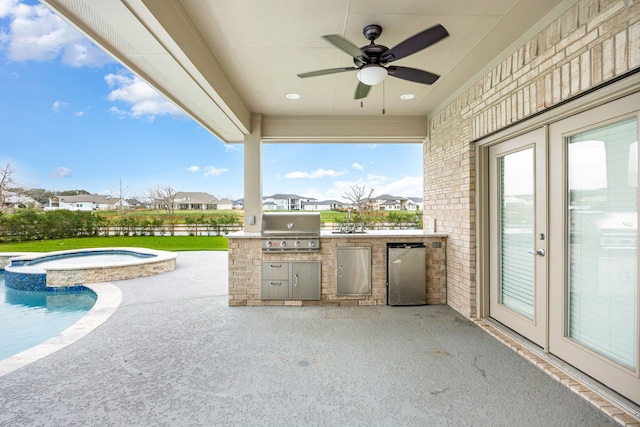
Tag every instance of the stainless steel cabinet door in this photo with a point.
(353, 271)
(305, 280)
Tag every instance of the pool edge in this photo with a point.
(109, 297)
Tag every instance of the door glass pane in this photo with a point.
(516, 216)
(602, 252)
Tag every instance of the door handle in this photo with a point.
(540, 252)
(341, 271)
(295, 283)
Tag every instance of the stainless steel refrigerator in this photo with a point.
(406, 274)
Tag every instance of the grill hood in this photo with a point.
(303, 224)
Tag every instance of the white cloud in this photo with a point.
(36, 33)
(376, 179)
(228, 148)
(142, 100)
(6, 6)
(407, 186)
(357, 166)
(319, 173)
(193, 169)
(79, 113)
(57, 105)
(61, 172)
(213, 171)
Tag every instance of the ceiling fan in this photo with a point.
(371, 60)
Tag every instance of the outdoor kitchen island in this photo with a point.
(248, 261)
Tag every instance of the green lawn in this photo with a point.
(165, 243)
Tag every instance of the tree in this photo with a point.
(6, 179)
(356, 197)
(121, 198)
(162, 197)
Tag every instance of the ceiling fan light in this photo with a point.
(372, 74)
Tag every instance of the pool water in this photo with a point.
(29, 318)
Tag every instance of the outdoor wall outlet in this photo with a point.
(436, 245)
(252, 220)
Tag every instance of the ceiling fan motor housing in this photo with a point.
(372, 52)
(372, 32)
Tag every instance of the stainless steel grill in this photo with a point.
(290, 231)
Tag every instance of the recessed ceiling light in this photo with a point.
(407, 96)
(293, 96)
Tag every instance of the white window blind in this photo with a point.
(517, 236)
(602, 234)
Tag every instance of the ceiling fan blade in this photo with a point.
(362, 91)
(345, 46)
(415, 43)
(413, 74)
(327, 71)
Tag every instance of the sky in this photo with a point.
(73, 118)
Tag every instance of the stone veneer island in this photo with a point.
(246, 265)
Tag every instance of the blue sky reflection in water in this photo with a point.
(30, 318)
(72, 118)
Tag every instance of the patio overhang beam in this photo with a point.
(344, 129)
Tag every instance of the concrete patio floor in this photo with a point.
(174, 353)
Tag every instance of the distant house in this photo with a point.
(196, 200)
(416, 202)
(86, 202)
(269, 206)
(325, 205)
(224, 205)
(16, 201)
(386, 202)
(284, 202)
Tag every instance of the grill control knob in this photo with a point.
(283, 244)
(297, 244)
(311, 243)
(269, 244)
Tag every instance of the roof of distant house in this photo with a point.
(195, 196)
(288, 197)
(388, 197)
(93, 198)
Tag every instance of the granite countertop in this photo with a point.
(367, 234)
(382, 233)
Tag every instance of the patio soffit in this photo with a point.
(224, 61)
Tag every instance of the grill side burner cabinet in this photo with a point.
(406, 274)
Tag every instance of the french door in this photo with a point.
(518, 272)
(563, 240)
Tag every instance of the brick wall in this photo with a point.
(594, 42)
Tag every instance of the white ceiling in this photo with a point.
(226, 60)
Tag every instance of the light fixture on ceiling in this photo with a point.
(407, 96)
(293, 96)
(372, 75)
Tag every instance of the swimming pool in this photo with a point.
(29, 318)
